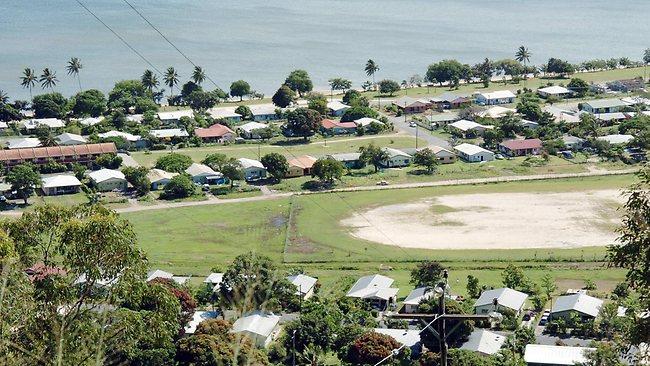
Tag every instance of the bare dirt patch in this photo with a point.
(494, 221)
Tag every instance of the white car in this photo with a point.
(413, 124)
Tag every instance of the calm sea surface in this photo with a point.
(262, 40)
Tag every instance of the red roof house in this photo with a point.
(337, 127)
(521, 147)
(216, 133)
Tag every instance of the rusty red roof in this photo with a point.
(522, 144)
(216, 130)
(330, 123)
(57, 151)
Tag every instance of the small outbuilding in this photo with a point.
(305, 285)
(413, 300)
(260, 327)
(472, 153)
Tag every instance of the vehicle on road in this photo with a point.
(382, 183)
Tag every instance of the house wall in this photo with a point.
(53, 191)
(265, 117)
(483, 100)
(397, 161)
(111, 184)
(254, 173)
(486, 309)
(295, 171)
(446, 159)
(159, 184)
(482, 156)
(410, 308)
(566, 315)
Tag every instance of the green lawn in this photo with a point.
(252, 151)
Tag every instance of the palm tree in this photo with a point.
(47, 139)
(198, 76)
(48, 79)
(4, 98)
(646, 61)
(73, 68)
(28, 80)
(150, 81)
(171, 79)
(523, 56)
(371, 69)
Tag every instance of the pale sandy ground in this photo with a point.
(494, 221)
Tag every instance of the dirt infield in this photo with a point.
(494, 221)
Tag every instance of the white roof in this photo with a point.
(169, 132)
(484, 341)
(465, 125)
(214, 278)
(407, 337)
(23, 142)
(91, 121)
(506, 297)
(555, 355)
(66, 138)
(250, 126)
(60, 181)
(581, 303)
(554, 90)
(3, 125)
(373, 286)
(337, 105)
(108, 282)
(102, 175)
(617, 139)
(224, 112)
(250, 163)
(302, 282)
(419, 294)
(50, 122)
(470, 149)
(197, 318)
(256, 323)
(156, 175)
(365, 121)
(175, 114)
(394, 152)
(201, 169)
(499, 94)
(496, 112)
(134, 117)
(124, 135)
(263, 109)
(158, 273)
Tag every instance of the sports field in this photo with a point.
(305, 231)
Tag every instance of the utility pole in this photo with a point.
(416, 136)
(443, 323)
(293, 346)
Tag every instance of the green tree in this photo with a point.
(284, 97)
(126, 93)
(523, 55)
(180, 186)
(548, 285)
(252, 282)
(371, 69)
(52, 105)
(371, 348)
(174, 162)
(137, 176)
(245, 112)
(276, 165)
(427, 159)
(351, 96)
(373, 154)
(473, 287)
(28, 80)
(200, 100)
(48, 79)
(232, 171)
(605, 354)
(356, 112)
(90, 102)
(339, 84)
(444, 71)
(171, 79)
(299, 81)
(240, 88)
(150, 81)
(327, 170)
(514, 277)
(23, 179)
(427, 273)
(303, 122)
(578, 86)
(317, 102)
(389, 87)
(198, 75)
(73, 68)
(216, 161)
(109, 161)
(557, 66)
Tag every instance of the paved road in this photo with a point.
(421, 133)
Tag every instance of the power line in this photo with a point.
(167, 39)
(119, 37)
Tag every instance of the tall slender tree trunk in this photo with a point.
(79, 81)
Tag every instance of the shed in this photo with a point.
(304, 285)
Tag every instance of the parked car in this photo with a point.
(498, 156)
(382, 183)
(413, 124)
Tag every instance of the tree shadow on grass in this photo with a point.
(317, 185)
(420, 172)
(291, 142)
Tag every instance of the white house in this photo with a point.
(197, 318)
(396, 158)
(214, 280)
(616, 139)
(375, 289)
(304, 285)
(23, 142)
(365, 121)
(554, 91)
(472, 153)
(583, 305)
(604, 105)
(108, 180)
(264, 112)
(247, 130)
(506, 299)
(468, 128)
(91, 121)
(484, 342)
(259, 326)
(66, 139)
(173, 117)
(337, 108)
(152, 275)
(203, 174)
(60, 184)
(127, 136)
(169, 133)
(159, 178)
(413, 300)
(408, 337)
(252, 169)
(31, 124)
(495, 97)
(225, 113)
(496, 112)
(543, 355)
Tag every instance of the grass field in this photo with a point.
(304, 232)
